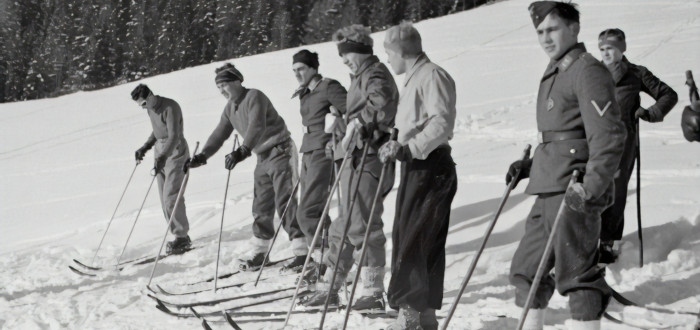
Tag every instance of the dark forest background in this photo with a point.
(53, 47)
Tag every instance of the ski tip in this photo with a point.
(80, 273)
(205, 325)
(151, 289)
(230, 321)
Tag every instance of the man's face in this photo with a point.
(303, 72)
(353, 61)
(145, 103)
(397, 63)
(556, 36)
(610, 54)
(226, 89)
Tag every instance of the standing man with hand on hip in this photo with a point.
(630, 80)
(425, 119)
(264, 132)
(579, 129)
(170, 155)
(316, 96)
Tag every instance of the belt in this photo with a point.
(550, 136)
(313, 128)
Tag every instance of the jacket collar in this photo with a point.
(565, 62)
(239, 99)
(310, 85)
(366, 64)
(419, 61)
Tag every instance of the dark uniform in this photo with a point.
(630, 80)
(580, 129)
(316, 168)
(169, 139)
(265, 133)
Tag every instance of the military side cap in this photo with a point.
(540, 9)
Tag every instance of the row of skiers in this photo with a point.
(587, 116)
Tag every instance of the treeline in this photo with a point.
(54, 47)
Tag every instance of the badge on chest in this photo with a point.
(550, 104)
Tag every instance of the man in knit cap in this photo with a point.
(579, 129)
(630, 80)
(171, 151)
(370, 110)
(317, 95)
(264, 133)
(425, 119)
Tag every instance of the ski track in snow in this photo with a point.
(65, 161)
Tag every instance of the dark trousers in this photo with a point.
(422, 219)
(613, 218)
(316, 175)
(274, 179)
(574, 257)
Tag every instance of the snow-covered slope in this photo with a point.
(65, 161)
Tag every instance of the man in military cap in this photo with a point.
(579, 129)
(630, 80)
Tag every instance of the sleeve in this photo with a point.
(222, 132)
(173, 122)
(664, 95)
(257, 117)
(605, 131)
(439, 97)
(379, 96)
(338, 97)
(151, 141)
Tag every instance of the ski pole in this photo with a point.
(223, 211)
(639, 200)
(545, 256)
(114, 213)
(136, 219)
(172, 215)
(320, 225)
(277, 231)
(347, 227)
(475, 260)
(363, 254)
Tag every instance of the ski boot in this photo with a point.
(370, 304)
(314, 271)
(318, 299)
(293, 266)
(252, 261)
(428, 320)
(609, 252)
(408, 319)
(179, 245)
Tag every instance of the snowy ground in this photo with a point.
(65, 161)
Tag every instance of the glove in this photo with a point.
(196, 161)
(350, 132)
(236, 156)
(524, 167)
(575, 197)
(393, 150)
(160, 163)
(650, 115)
(140, 153)
(366, 131)
(329, 150)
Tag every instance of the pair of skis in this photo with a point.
(82, 269)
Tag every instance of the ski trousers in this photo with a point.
(316, 175)
(613, 218)
(169, 182)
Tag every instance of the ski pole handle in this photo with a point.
(691, 84)
(394, 134)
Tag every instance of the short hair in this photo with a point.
(568, 12)
(140, 92)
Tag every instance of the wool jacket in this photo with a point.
(577, 93)
(255, 118)
(426, 111)
(166, 120)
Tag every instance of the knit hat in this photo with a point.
(403, 39)
(613, 37)
(228, 73)
(306, 57)
(540, 9)
(354, 39)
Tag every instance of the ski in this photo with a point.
(227, 275)
(163, 308)
(219, 300)
(160, 291)
(141, 261)
(639, 325)
(626, 302)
